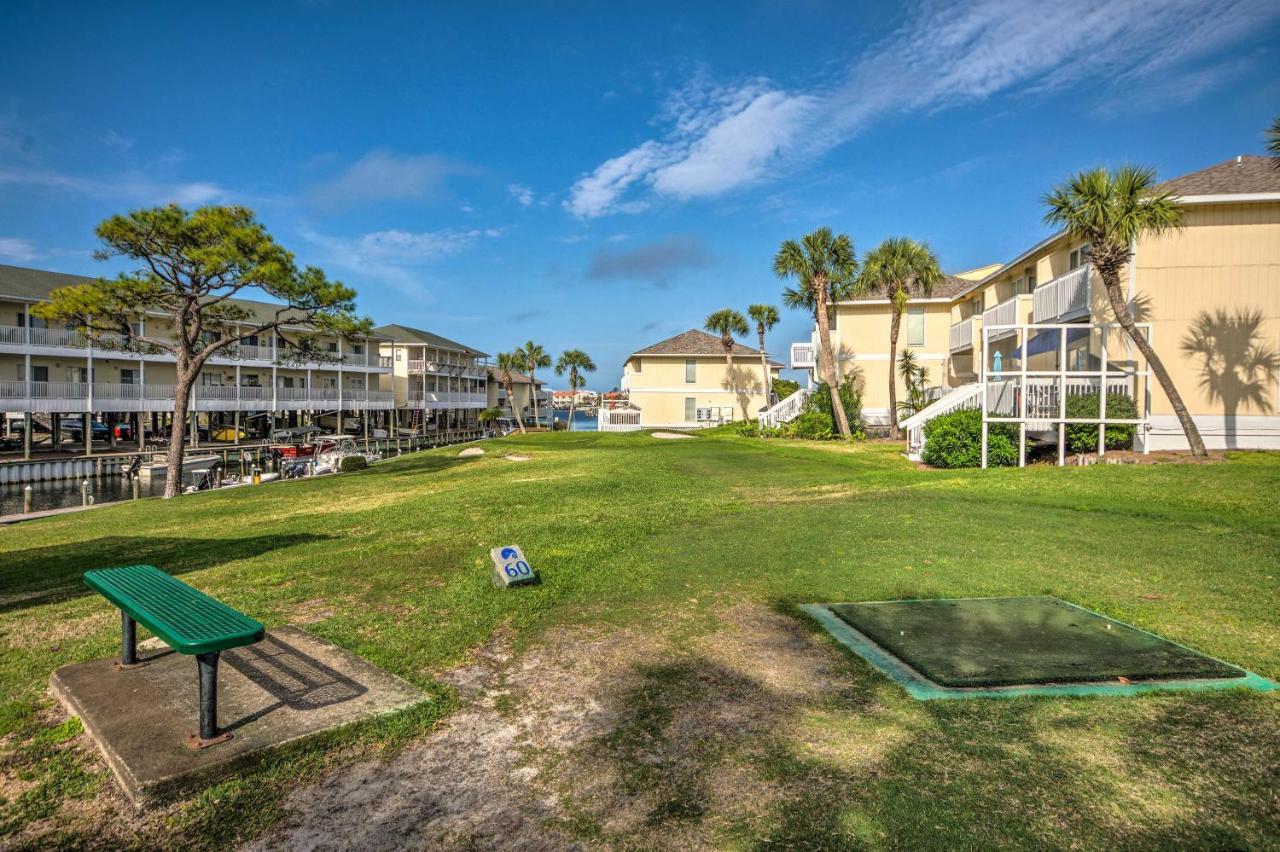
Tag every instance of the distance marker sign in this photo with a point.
(510, 568)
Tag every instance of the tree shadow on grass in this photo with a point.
(41, 575)
(700, 753)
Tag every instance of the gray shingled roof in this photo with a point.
(1236, 176)
(948, 287)
(694, 342)
(36, 284)
(405, 334)
(517, 378)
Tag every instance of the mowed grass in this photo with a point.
(660, 535)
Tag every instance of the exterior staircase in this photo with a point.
(956, 399)
(784, 411)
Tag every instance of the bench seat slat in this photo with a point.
(188, 620)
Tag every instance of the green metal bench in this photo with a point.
(189, 621)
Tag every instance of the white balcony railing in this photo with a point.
(446, 399)
(1065, 297)
(1009, 312)
(79, 397)
(963, 334)
(803, 356)
(1043, 394)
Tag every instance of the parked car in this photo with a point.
(74, 430)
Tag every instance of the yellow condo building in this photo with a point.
(1208, 295)
(684, 382)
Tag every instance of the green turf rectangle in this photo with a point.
(1033, 640)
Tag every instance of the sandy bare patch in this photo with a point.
(471, 452)
(516, 457)
(670, 436)
(619, 734)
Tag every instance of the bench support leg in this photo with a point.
(207, 664)
(128, 643)
(128, 640)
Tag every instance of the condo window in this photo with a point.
(690, 409)
(39, 374)
(915, 327)
(639, 364)
(128, 377)
(690, 370)
(1078, 257)
(399, 354)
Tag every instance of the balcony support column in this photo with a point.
(26, 434)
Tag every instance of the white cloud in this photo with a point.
(129, 188)
(722, 137)
(113, 139)
(522, 194)
(383, 175)
(392, 255)
(19, 250)
(409, 247)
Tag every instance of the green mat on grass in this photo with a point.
(1010, 641)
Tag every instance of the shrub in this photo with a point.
(785, 387)
(350, 464)
(955, 440)
(748, 428)
(1083, 437)
(813, 426)
(850, 397)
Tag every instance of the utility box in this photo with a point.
(510, 568)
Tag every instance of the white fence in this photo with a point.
(618, 419)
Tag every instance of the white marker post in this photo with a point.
(510, 568)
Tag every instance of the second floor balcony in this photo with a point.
(1065, 298)
(803, 356)
(79, 397)
(420, 366)
(36, 340)
(446, 399)
(964, 333)
(1013, 311)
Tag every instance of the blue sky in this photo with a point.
(602, 176)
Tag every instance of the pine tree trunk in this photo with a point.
(894, 432)
(178, 429)
(827, 360)
(1121, 310)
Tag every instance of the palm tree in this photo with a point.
(914, 375)
(894, 268)
(1273, 141)
(728, 323)
(823, 266)
(1111, 211)
(489, 416)
(535, 358)
(575, 362)
(507, 362)
(765, 317)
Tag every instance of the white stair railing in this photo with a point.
(785, 411)
(957, 399)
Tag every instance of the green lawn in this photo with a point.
(658, 537)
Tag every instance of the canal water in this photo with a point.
(582, 421)
(63, 493)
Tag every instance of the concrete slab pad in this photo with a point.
(671, 436)
(288, 686)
